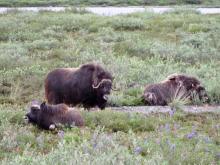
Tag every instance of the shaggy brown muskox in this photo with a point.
(175, 86)
(88, 85)
(49, 116)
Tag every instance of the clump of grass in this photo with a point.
(115, 121)
(179, 97)
(129, 23)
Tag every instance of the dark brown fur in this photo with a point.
(45, 115)
(176, 85)
(74, 86)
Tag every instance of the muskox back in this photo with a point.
(61, 83)
(83, 85)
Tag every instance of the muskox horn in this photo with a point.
(102, 81)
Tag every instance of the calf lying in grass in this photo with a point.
(50, 116)
(176, 86)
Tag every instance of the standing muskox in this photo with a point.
(49, 116)
(175, 86)
(88, 85)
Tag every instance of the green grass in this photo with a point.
(112, 137)
(138, 49)
(16, 3)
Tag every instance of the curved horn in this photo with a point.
(102, 81)
(95, 87)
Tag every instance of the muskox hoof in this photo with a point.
(52, 127)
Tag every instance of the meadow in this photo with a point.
(138, 49)
(17, 3)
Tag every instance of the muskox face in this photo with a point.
(104, 88)
(102, 82)
(32, 115)
(202, 94)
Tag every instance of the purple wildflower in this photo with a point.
(171, 113)
(137, 150)
(171, 146)
(94, 145)
(61, 134)
(191, 134)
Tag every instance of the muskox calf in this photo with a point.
(175, 86)
(88, 85)
(49, 116)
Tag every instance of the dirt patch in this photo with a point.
(167, 109)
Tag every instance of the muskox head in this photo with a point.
(101, 80)
(190, 84)
(32, 115)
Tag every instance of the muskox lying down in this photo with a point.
(176, 86)
(49, 116)
(88, 85)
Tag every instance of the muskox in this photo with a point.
(176, 86)
(89, 85)
(50, 116)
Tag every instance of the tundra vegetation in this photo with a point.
(138, 49)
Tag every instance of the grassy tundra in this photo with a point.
(138, 49)
(16, 3)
